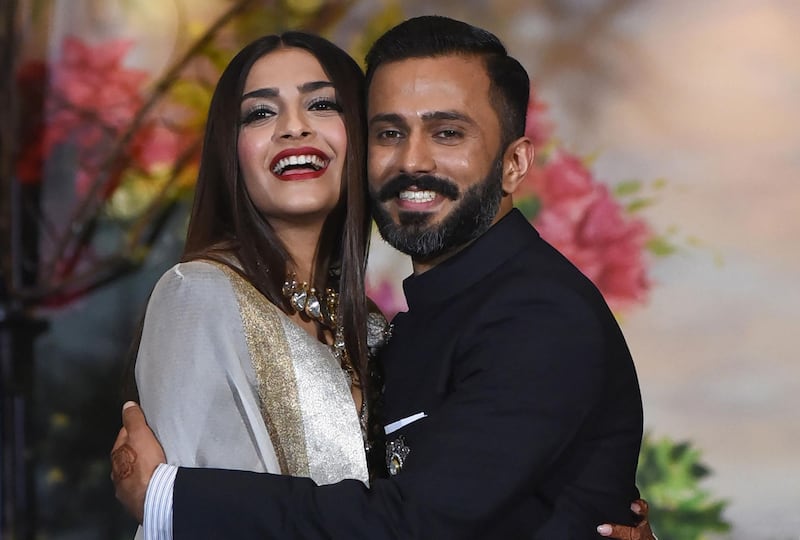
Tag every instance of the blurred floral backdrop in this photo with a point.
(634, 181)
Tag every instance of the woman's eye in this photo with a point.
(325, 105)
(256, 114)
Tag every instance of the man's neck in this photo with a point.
(420, 267)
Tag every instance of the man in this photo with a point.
(513, 405)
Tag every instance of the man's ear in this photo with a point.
(517, 160)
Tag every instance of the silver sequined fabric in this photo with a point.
(304, 393)
(229, 381)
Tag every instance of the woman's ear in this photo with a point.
(517, 160)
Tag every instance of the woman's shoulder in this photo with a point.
(192, 282)
(192, 272)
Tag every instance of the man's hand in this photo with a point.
(135, 456)
(641, 532)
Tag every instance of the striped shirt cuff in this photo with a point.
(158, 503)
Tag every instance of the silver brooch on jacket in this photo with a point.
(378, 331)
(396, 454)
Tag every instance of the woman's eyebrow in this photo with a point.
(304, 88)
(261, 93)
(315, 85)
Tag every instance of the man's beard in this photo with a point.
(472, 216)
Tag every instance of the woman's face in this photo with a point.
(292, 138)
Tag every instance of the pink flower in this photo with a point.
(93, 92)
(91, 102)
(565, 180)
(154, 144)
(581, 219)
(387, 298)
(561, 179)
(93, 99)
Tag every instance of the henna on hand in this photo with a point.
(122, 461)
(131, 470)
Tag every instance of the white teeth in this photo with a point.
(313, 160)
(417, 196)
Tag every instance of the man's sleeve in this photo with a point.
(158, 504)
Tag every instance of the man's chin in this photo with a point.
(416, 228)
(407, 219)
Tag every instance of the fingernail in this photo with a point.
(128, 404)
(604, 530)
(636, 508)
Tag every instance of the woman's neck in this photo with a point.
(301, 242)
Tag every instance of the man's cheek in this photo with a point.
(376, 174)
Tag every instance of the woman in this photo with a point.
(253, 352)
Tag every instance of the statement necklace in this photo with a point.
(305, 299)
(322, 308)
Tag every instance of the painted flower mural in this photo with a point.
(580, 217)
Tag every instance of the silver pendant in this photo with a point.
(298, 300)
(396, 454)
(313, 308)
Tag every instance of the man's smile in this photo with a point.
(417, 196)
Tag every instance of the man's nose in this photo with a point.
(416, 156)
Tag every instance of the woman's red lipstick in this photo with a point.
(299, 163)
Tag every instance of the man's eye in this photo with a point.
(389, 134)
(255, 114)
(448, 134)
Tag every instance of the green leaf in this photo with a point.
(639, 204)
(627, 188)
(660, 246)
(659, 183)
(668, 477)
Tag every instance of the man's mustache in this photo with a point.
(402, 182)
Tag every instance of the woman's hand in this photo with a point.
(622, 532)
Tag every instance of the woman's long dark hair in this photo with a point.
(225, 221)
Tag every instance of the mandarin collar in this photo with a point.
(503, 239)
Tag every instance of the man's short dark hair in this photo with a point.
(433, 35)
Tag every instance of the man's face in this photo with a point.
(434, 154)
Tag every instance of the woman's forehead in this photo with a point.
(287, 67)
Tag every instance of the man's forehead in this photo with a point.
(424, 86)
(433, 68)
